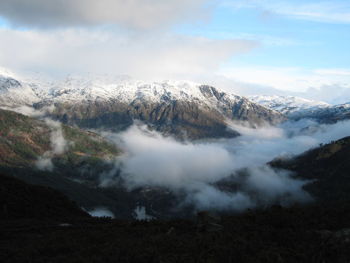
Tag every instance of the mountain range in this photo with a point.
(296, 108)
(182, 109)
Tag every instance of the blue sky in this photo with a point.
(289, 45)
(297, 38)
(286, 41)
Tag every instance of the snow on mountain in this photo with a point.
(181, 108)
(125, 91)
(74, 90)
(14, 92)
(289, 105)
(298, 108)
(344, 105)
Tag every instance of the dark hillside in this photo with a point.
(328, 169)
(20, 200)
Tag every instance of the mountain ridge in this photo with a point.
(185, 110)
(297, 108)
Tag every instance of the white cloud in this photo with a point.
(335, 11)
(140, 214)
(264, 39)
(79, 51)
(59, 145)
(290, 79)
(334, 72)
(193, 169)
(44, 163)
(141, 14)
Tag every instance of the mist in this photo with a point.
(59, 145)
(225, 174)
(101, 212)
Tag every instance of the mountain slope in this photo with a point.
(184, 109)
(327, 168)
(14, 93)
(29, 151)
(19, 200)
(27, 142)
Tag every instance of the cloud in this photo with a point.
(272, 185)
(327, 84)
(160, 161)
(141, 14)
(224, 175)
(195, 168)
(101, 212)
(59, 145)
(140, 214)
(333, 94)
(207, 197)
(44, 163)
(78, 51)
(335, 11)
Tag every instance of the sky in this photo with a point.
(249, 47)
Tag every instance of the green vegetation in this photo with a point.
(23, 140)
(88, 142)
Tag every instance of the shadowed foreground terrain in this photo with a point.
(310, 234)
(41, 225)
(21, 200)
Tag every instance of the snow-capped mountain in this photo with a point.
(288, 105)
(329, 114)
(184, 109)
(14, 93)
(299, 108)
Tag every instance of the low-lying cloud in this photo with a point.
(101, 212)
(226, 175)
(159, 161)
(59, 145)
